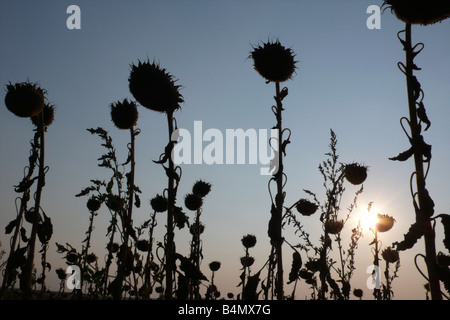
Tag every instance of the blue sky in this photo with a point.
(347, 80)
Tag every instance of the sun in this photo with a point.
(369, 218)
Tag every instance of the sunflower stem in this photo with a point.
(423, 217)
(170, 250)
(28, 269)
(23, 206)
(279, 199)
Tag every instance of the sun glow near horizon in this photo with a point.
(368, 218)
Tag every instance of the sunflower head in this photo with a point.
(247, 261)
(93, 204)
(124, 114)
(24, 99)
(214, 266)
(248, 241)
(384, 222)
(154, 88)
(306, 207)
(201, 188)
(159, 203)
(49, 115)
(273, 61)
(143, 245)
(422, 12)
(334, 226)
(390, 255)
(193, 202)
(355, 173)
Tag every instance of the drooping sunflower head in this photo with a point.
(306, 207)
(124, 114)
(24, 99)
(384, 222)
(334, 226)
(273, 61)
(49, 115)
(154, 88)
(390, 255)
(355, 173)
(422, 12)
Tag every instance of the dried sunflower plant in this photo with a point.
(320, 259)
(383, 291)
(124, 115)
(27, 100)
(155, 89)
(275, 63)
(423, 13)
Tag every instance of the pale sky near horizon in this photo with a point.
(347, 80)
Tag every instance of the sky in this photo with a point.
(347, 80)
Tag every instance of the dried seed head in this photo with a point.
(313, 265)
(61, 273)
(124, 114)
(114, 203)
(71, 257)
(384, 222)
(249, 241)
(143, 245)
(334, 226)
(443, 260)
(197, 229)
(214, 266)
(273, 61)
(422, 12)
(193, 202)
(24, 99)
(355, 173)
(390, 255)
(159, 203)
(201, 188)
(91, 258)
(247, 261)
(358, 293)
(306, 207)
(305, 274)
(49, 115)
(154, 88)
(93, 204)
(113, 247)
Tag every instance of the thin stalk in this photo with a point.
(279, 199)
(170, 246)
(28, 270)
(430, 247)
(148, 274)
(376, 263)
(110, 255)
(23, 205)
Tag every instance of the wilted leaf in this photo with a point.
(296, 266)
(404, 155)
(10, 227)
(422, 114)
(250, 288)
